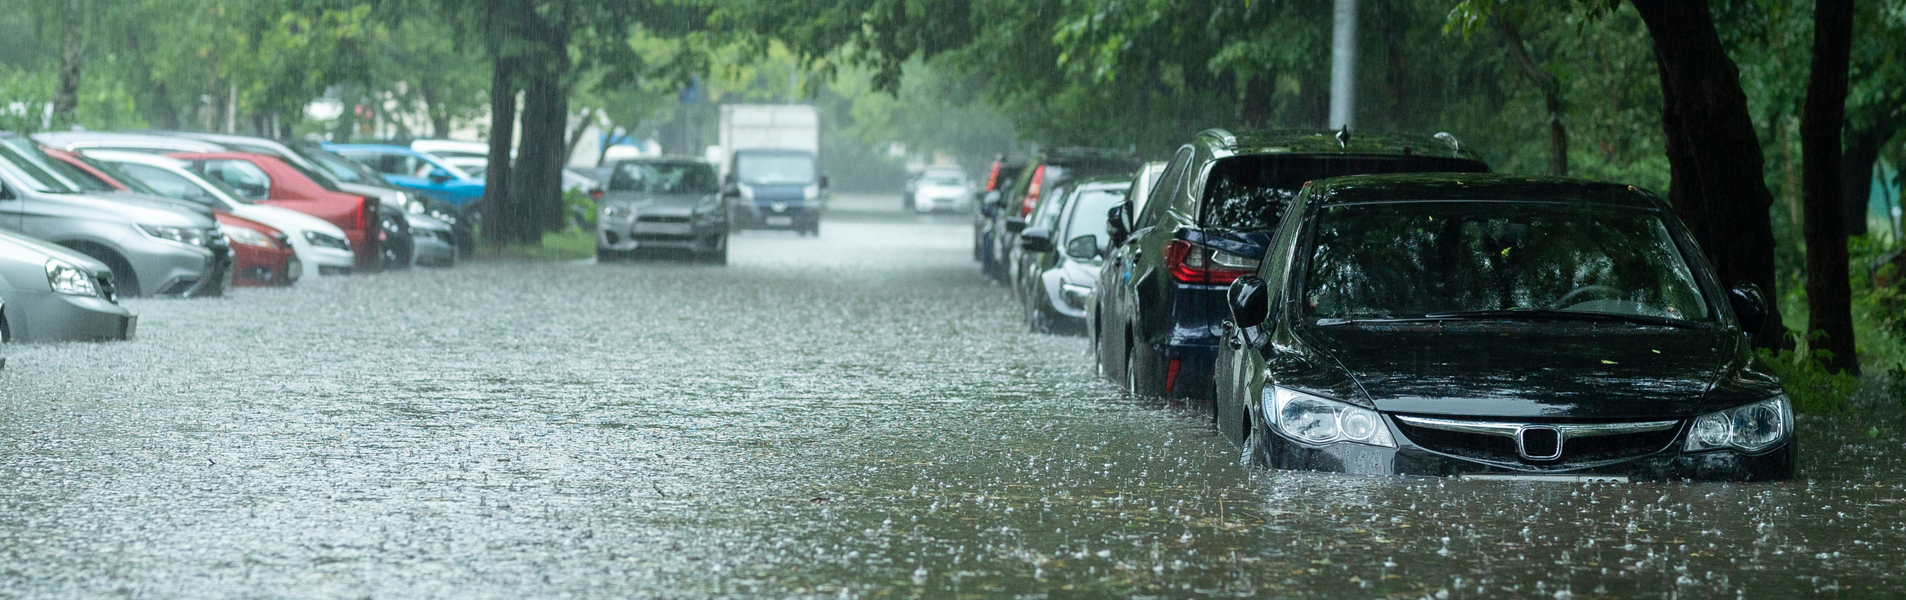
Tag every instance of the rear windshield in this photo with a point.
(1250, 192)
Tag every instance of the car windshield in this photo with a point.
(1251, 192)
(35, 167)
(170, 184)
(1425, 259)
(85, 179)
(343, 169)
(775, 168)
(1088, 213)
(663, 178)
(133, 184)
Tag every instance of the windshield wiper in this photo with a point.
(1561, 315)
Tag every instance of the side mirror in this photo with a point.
(1015, 224)
(823, 181)
(1249, 300)
(1085, 247)
(1115, 225)
(1749, 306)
(1037, 239)
(438, 176)
(5, 194)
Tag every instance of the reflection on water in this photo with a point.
(856, 415)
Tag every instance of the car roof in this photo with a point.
(80, 140)
(390, 148)
(1117, 180)
(1477, 187)
(663, 159)
(1291, 141)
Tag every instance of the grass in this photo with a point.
(570, 244)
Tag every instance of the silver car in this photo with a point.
(153, 248)
(663, 203)
(49, 293)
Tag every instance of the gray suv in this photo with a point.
(153, 248)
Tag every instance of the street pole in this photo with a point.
(1343, 66)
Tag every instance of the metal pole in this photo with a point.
(1343, 66)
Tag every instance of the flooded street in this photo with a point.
(855, 415)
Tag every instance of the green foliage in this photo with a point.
(1809, 384)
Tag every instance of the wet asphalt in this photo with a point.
(855, 415)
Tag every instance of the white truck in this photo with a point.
(768, 156)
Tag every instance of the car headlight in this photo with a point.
(67, 279)
(1749, 428)
(185, 235)
(747, 191)
(1314, 420)
(615, 212)
(414, 204)
(811, 192)
(325, 241)
(247, 237)
(1075, 294)
(443, 216)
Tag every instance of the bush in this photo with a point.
(1809, 384)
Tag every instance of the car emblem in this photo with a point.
(1539, 442)
(778, 206)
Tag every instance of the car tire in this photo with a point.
(1140, 375)
(125, 281)
(605, 255)
(1037, 321)
(718, 256)
(1255, 453)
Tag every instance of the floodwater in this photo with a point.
(854, 415)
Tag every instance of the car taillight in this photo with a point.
(992, 179)
(366, 214)
(1032, 191)
(595, 195)
(1193, 263)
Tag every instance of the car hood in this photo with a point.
(142, 209)
(1548, 370)
(387, 195)
(17, 246)
(287, 220)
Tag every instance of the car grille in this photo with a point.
(1496, 442)
(661, 237)
(661, 219)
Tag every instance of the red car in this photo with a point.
(261, 255)
(268, 180)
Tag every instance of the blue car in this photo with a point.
(427, 173)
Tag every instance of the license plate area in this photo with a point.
(669, 228)
(1547, 478)
(780, 221)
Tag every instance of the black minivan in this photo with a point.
(1496, 327)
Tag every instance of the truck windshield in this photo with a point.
(1410, 260)
(775, 168)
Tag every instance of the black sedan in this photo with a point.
(1496, 327)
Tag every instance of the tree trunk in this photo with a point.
(1714, 156)
(1829, 297)
(1551, 90)
(72, 58)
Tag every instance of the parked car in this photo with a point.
(1066, 256)
(153, 248)
(261, 255)
(51, 293)
(938, 188)
(322, 248)
(347, 172)
(1044, 172)
(663, 203)
(985, 218)
(419, 171)
(1490, 326)
(1021, 258)
(453, 148)
(268, 180)
(1155, 324)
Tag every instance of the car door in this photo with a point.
(1144, 269)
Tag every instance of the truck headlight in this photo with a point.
(67, 279)
(247, 237)
(811, 192)
(185, 235)
(1751, 428)
(747, 191)
(1316, 420)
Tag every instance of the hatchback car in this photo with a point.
(1155, 321)
(1066, 256)
(1490, 326)
(419, 171)
(671, 204)
(50, 293)
(938, 188)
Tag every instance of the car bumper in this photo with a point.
(439, 249)
(51, 317)
(166, 269)
(924, 203)
(1670, 464)
(702, 236)
(263, 267)
(764, 217)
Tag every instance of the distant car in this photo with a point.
(1042, 173)
(939, 189)
(1155, 319)
(1496, 327)
(348, 172)
(268, 180)
(452, 148)
(322, 248)
(261, 255)
(413, 170)
(663, 203)
(51, 293)
(1067, 255)
(990, 200)
(154, 248)
(776, 189)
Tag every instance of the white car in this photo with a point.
(448, 149)
(321, 246)
(940, 189)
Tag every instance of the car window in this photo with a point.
(1251, 192)
(338, 166)
(170, 185)
(1154, 206)
(1050, 205)
(663, 178)
(1407, 260)
(1088, 213)
(34, 166)
(81, 177)
(133, 184)
(250, 181)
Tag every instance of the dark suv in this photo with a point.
(1047, 170)
(1155, 321)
